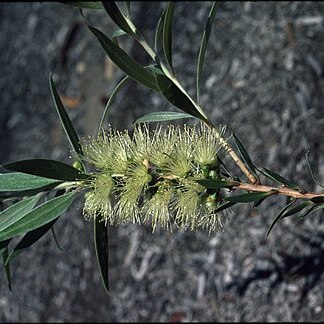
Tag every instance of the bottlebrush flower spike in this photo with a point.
(151, 177)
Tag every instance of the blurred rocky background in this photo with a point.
(263, 77)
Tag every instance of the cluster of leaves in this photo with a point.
(40, 190)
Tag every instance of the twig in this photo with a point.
(279, 191)
(238, 161)
(263, 188)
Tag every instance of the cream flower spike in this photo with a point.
(150, 177)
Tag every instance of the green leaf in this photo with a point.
(29, 239)
(27, 193)
(7, 217)
(279, 216)
(159, 30)
(49, 169)
(102, 251)
(257, 203)
(4, 256)
(167, 33)
(279, 179)
(117, 17)
(226, 171)
(132, 68)
(296, 209)
(155, 69)
(311, 170)
(84, 5)
(249, 197)
(317, 200)
(177, 97)
(39, 216)
(111, 100)
(224, 206)
(17, 181)
(127, 25)
(245, 156)
(203, 46)
(81, 13)
(161, 116)
(55, 239)
(216, 184)
(115, 34)
(65, 120)
(321, 206)
(127, 8)
(311, 210)
(3, 245)
(16, 211)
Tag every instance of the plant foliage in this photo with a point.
(169, 177)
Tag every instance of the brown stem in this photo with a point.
(280, 191)
(238, 161)
(233, 155)
(262, 188)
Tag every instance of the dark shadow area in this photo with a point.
(289, 268)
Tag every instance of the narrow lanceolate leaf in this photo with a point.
(216, 184)
(29, 239)
(28, 193)
(177, 97)
(155, 69)
(110, 101)
(159, 30)
(311, 210)
(249, 197)
(65, 120)
(84, 5)
(16, 211)
(224, 206)
(257, 203)
(117, 17)
(17, 181)
(296, 209)
(203, 46)
(311, 170)
(101, 247)
(318, 200)
(224, 168)
(4, 256)
(56, 239)
(47, 168)
(127, 8)
(279, 179)
(167, 33)
(127, 64)
(279, 216)
(161, 116)
(245, 156)
(39, 216)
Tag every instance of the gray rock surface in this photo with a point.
(263, 77)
